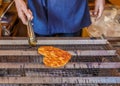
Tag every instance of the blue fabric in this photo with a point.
(59, 16)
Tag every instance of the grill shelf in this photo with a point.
(93, 63)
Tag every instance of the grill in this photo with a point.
(94, 63)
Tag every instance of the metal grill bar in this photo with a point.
(57, 80)
(76, 84)
(69, 65)
(74, 53)
(53, 42)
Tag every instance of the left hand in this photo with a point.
(99, 8)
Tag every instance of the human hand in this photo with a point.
(99, 7)
(23, 12)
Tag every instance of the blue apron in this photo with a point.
(59, 16)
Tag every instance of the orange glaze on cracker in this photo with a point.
(54, 57)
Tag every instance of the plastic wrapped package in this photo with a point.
(108, 24)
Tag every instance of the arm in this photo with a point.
(99, 7)
(23, 12)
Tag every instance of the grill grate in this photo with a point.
(93, 63)
(38, 59)
(57, 72)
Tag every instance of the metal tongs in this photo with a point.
(31, 36)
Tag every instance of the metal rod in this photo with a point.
(73, 53)
(71, 65)
(59, 80)
(54, 42)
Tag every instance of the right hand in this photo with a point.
(23, 12)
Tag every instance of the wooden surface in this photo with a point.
(9, 10)
(3, 7)
(115, 2)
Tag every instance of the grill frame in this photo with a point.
(108, 64)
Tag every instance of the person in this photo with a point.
(62, 17)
